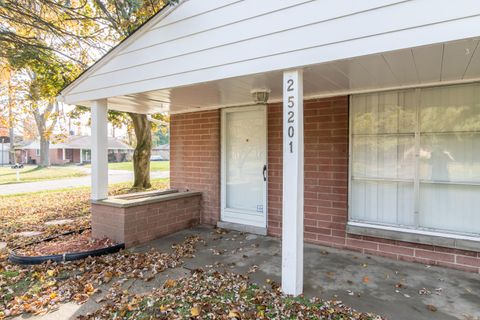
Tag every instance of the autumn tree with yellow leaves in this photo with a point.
(50, 42)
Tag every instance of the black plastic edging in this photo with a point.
(30, 260)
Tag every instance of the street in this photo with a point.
(114, 176)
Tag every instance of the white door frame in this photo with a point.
(223, 181)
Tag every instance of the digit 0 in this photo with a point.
(291, 132)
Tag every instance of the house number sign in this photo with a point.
(291, 112)
(292, 98)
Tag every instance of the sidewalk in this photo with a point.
(114, 176)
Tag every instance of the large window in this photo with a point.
(415, 159)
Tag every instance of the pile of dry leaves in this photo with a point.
(75, 242)
(215, 295)
(39, 289)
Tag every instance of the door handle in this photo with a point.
(264, 172)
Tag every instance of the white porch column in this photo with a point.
(292, 212)
(63, 154)
(81, 155)
(99, 150)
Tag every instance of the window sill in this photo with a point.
(416, 236)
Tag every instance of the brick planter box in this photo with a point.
(137, 218)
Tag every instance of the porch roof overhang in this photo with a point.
(213, 55)
(436, 64)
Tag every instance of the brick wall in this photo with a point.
(142, 223)
(53, 156)
(326, 168)
(195, 165)
(195, 158)
(326, 189)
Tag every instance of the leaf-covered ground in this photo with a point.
(200, 295)
(35, 289)
(39, 289)
(220, 295)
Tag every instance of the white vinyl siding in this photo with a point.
(415, 159)
(235, 38)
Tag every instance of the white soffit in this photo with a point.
(437, 64)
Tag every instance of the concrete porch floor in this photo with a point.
(366, 283)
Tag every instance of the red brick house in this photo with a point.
(74, 150)
(352, 125)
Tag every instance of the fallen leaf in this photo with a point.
(195, 311)
(432, 308)
(88, 289)
(234, 313)
(170, 283)
(107, 276)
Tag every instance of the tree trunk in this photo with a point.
(44, 152)
(44, 140)
(143, 150)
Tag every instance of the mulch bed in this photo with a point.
(76, 242)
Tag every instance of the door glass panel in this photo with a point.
(245, 158)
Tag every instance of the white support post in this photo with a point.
(63, 154)
(81, 156)
(292, 212)
(99, 150)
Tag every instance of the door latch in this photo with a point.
(264, 172)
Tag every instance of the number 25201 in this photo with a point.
(290, 114)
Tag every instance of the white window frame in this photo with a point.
(37, 152)
(413, 231)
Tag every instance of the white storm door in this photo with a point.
(244, 165)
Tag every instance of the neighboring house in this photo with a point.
(75, 149)
(362, 132)
(161, 153)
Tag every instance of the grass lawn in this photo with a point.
(33, 173)
(154, 166)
